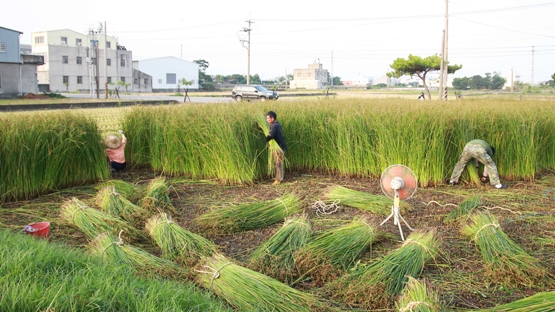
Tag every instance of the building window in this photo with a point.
(109, 80)
(79, 79)
(0, 80)
(108, 45)
(309, 74)
(79, 60)
(108, 62)
(122, 79)
(171, 78)
(64, 41)
(65, 59)
(146, 81)
(39, 39)
(2, 47)
(298, 74)
(159, 80)
(93, 60)
(135, 80)
(122, 61)
(78, 42)
(65, 79)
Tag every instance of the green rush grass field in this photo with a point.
(213, 158)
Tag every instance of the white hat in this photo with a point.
(112, 141)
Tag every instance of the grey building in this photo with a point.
(81, 62)
(18, 72)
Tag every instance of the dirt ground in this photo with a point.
(525, 211)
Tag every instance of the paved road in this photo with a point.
(154, 97)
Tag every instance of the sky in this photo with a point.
(350, 39)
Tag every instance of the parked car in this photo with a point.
(253, 92)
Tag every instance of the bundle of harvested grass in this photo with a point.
(335, 250)
(464, 209)
(114, 203)
(157, 195)
(506, 262)
(275, 256)
(375, 285)
(126, 189)
(418, 296)
(118, 253)
(276, 153)
(379, 204)
(540, 302)
(249, 216)
(90, 221)
(248, 290)
(177, 243)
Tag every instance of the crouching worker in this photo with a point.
(480, 151)
(115, 151)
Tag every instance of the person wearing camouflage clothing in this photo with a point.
(480, 151)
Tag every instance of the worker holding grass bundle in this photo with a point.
(276, 133)
(115, 151)
(482, 152)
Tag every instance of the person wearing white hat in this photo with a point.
(115, 151)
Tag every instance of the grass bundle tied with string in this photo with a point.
(157, 195)
(418, 296)
(464, 209)
(92, 222)
(540, 302)
(275, 152)
(248, 290)
(115, 204)
(378, 283)
(118, 253)
(379, 204)
(505, 261)
(334, 251)
(128, 190)
(177, 243)
(275, 256)
(244, 217)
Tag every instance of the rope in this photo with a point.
(410, 241)
(497, 207)
(118, 243)
(79, 207)
(284, 205)
(164, 221)
(483, 227)
(433, 201)
(321, 208)
(215, 273)
(411, 305)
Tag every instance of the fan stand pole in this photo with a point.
(396, 214)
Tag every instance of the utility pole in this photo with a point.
(532, 80)
(444, 68)
(248, 30)
(512, 80)
(105, 63)
(441, 66)
(332, 68)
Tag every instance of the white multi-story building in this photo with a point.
(76, 62)
(313, 77)
(168, 72)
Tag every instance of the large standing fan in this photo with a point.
(398, 182)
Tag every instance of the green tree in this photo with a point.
(255, 79)
(497, 82)
(416, 65)
(337, 81)
(202, 65)
(553, 79)
(219, 78)
(461, 83)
